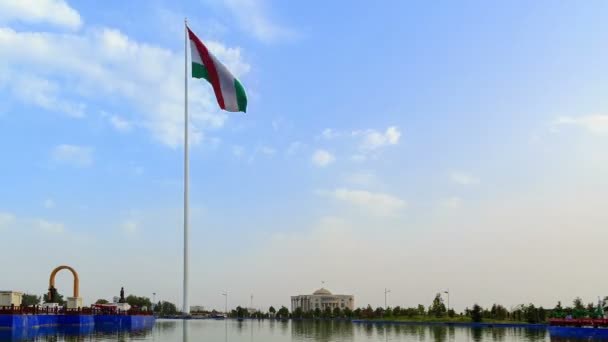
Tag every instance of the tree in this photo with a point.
(348, 313)
(168, 308)
(542, 315)
(317, 313)
(368, 312)
(327, 312)
(139, 302)
(591, 309)
(337, 312)
(476, 313)
(558, 311)
(421, 310)
(499, 312)
(437, 309)
(357, 313)
(578, 303)
(240, 312)
(58, 298)
(29, 300)
(451, 313)
(272, 310)
(102, 301)
(298, 313)
(531, 314)
(578, 310)
(283, 312)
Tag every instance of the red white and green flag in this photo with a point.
(228, 90)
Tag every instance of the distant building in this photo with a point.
(8, 298)
(322, 299)
(197, 308)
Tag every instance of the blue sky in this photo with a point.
(406, 145)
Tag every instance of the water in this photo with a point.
(302, 331)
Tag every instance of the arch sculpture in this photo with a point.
(52, 280)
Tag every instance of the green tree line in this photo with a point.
(437, 311)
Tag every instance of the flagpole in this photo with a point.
(186, 307)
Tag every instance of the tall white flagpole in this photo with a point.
(186, 307)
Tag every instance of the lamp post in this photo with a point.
(386, 291)
(153, 301)
(448, 293)
(225, 294)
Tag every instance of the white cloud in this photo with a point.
(376, 203)
(45, 94)
(373, 139)
(322, 158)
(359, 158)
(81, 156)
(56, 12)
(277, 124)
(104, 63)
(362, 178)
(50, 227)
(463, 178)
(130, 227)
(329, 134)
(452, 202)
(48, 203)
(6, 220)
(252, 16)
(597, 124)
(294, 147)
(238, 151)
(267, 150)
(119, 123)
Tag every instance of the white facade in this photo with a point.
(74, 303)
(8, 298)
(322, 299)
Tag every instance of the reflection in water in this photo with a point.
(163, 326)
(534, 334)
(571, 339)
(295, 331)
(477, 333)
(439, 333)
(185, 331)
(322, 331)
(498, 334)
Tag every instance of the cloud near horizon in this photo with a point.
(375, 203)
(597, 124)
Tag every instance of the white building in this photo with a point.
(8, 298)
(322, 299)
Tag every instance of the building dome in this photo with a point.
(322, 292)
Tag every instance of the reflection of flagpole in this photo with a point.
(186, 308)
(184, 331)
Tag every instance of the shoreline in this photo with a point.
(388, 322)
(455, 324)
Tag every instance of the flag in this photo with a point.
(229, 92)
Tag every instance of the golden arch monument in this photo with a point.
(75, 301)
